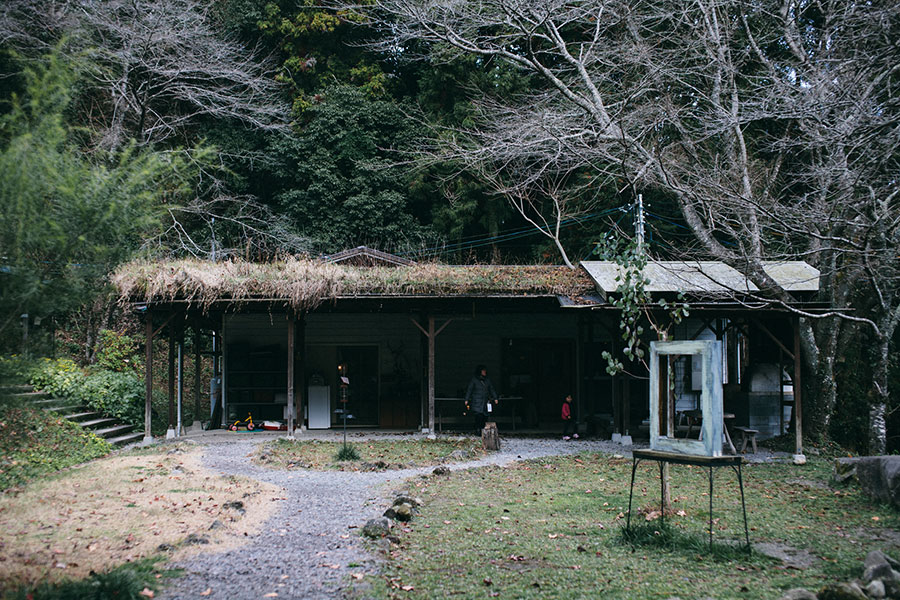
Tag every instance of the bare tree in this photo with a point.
(156, 67)
(773, 124)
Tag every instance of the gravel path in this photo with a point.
(307, 548)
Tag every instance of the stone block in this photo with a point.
(878, 476)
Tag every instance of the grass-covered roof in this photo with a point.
(305, 283)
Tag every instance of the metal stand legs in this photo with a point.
(700, 462)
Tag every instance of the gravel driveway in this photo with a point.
(308, 549)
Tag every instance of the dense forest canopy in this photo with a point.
(499, 131)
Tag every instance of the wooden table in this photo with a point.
(675, 458)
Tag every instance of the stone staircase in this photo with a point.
(112, 430)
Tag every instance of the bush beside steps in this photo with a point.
(115, 431)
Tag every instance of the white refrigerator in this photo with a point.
(319, 403)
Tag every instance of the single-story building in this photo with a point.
(407, 337)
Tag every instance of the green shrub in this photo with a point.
(118, 352)
(60, 377)
(116, 394)
(34, 442)
(16, 368)
(119, 395)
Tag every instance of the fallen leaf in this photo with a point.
(407, 588)
(271, 595)
(357, 575)
(206, 592)
(146, 593)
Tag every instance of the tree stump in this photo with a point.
(490, 439)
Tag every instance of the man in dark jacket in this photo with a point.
(478, 395)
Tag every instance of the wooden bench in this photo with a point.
(747, 435)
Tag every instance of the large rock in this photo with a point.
(878, 476)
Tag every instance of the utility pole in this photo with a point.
(639, 221)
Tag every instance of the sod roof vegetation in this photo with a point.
(305, 283)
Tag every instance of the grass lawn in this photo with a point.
(553, 529)
(373, 455)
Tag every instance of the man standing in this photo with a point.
(479, 395)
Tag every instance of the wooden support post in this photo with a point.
(431, 336)
(300, 390)
(197, 371)
(290, 375)
(148, 377)
(171, 417)
(798, 388)
(179, 414)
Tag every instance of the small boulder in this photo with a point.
(399, 512)
(217, 524)
(458, 455)
(844, 471)
(404, 512)
(194, 539)
(377, 528)
(441, 470)
(407, 500)
(165, 548)
(841, 591)
(798, 594)
(875, 589)
(877, 557)
(876, 571)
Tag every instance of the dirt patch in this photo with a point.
(120, 509)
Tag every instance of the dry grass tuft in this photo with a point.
(304, 283)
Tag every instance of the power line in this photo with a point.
(508, 235)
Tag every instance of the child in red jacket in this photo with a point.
(568, 417)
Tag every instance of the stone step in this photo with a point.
(63, 408)
(46, 402)
(115, 430)
(95, 423)
(32, 395)
(78, 416)
(128, 438)
(16, 388)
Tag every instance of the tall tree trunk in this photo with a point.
(819, 347)
(879, 396)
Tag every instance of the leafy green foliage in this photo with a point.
(319, 47)
(34, 442)
(634, 301)
(118, 351)
(69, 218)
(113, 393)
(125, 582)
(342, 186)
